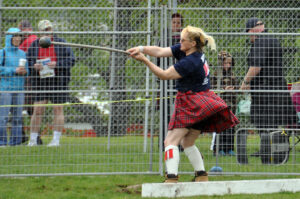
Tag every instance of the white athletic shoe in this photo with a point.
(32, 143)
(53, 143)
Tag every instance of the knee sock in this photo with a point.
(195, 158)
(172, 159)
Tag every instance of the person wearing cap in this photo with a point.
(59, 60)
(265, 61)
(13, 69)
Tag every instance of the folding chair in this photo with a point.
(274, 146)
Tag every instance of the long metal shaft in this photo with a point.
(89, 46)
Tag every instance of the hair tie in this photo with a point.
(206, 42)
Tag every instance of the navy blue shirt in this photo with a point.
(193, 69)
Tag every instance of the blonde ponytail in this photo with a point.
(211, 43)
(201, 38)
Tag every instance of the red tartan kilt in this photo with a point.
(204, 111)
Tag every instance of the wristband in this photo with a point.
(141, 48)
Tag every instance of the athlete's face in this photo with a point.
(186, 44)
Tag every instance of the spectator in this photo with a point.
(27, 39)
(227, 82)
(196, 107)
(177, 24)
(13, 68)
(60, 59)
(265, 73)
(25, 26)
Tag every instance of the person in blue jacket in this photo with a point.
(13, 69)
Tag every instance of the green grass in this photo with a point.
(109, 186)
(91, 155)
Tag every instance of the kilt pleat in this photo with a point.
(203, 110)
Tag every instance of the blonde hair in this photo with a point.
(200, 37)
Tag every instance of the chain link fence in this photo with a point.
(117, 114)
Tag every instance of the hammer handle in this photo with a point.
(89, 46)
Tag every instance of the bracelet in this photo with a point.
(141, 48)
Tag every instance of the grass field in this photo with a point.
(91, 155)
(109, 186)
(125, 154)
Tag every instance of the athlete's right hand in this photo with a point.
(133, 51)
